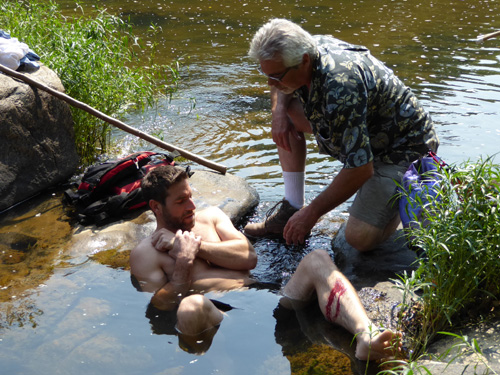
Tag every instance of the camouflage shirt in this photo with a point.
(360, 111)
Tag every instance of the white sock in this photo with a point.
(294, 188)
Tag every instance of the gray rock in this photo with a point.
(37, 147)
(462, 360)
(230, 193)
(443, 368)
(377, 266)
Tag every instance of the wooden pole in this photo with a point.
(75, 103)
(481, 38)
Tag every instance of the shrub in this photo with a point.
(460, 252)
(98, 59)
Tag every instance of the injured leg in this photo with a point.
(339, 303)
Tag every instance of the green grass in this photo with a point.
(99, 61)
(457, 277)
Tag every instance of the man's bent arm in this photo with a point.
(234, 251)
(281, 125)
(232, 254)
(343, 186)
(279, 102)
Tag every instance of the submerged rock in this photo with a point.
(31, 239)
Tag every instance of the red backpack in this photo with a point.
(109, 190)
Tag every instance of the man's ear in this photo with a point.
(155, 206)
(306, 58)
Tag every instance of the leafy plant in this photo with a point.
(99, 61)
(458, 239)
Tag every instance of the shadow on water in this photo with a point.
(64, 314)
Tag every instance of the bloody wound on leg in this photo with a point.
(337, 291)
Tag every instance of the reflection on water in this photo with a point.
(88, 317)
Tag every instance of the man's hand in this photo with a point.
(163, 240)
(299, 226)
(185, 247)
(282, 129)
(343, 186)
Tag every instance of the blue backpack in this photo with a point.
(421, 183)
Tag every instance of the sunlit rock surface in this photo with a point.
(231, 194)
(37, 146)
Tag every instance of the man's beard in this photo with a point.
(177, 223)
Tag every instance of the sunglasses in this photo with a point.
(278, 77)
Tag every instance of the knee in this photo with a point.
(190, 314)
(296, 115)
(319, 255)
(360, 242)
(318, 258)
(191, 304)
(196, 313)
(362, 236)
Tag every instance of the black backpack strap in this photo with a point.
(114, 207)
(70, 196)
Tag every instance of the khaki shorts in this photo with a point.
(375, 203)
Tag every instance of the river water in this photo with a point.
(86, 318)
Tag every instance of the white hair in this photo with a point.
(281, 38)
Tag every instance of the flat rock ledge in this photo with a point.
(230, 193)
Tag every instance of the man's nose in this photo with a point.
(191, 205)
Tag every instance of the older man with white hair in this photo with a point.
(360, 113)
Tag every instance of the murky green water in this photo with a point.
(81, 316)
(430, 44)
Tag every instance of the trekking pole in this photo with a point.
(75, 103)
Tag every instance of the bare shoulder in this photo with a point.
(212, 224)
(150, 267)
(139, 253)
(211, 215)
(144, 245)
(212, 211)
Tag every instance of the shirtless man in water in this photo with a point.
(189, 253)
(192, 253)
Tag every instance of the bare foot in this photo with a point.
(383, 345)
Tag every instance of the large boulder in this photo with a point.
(37, 145)
(232, 194)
